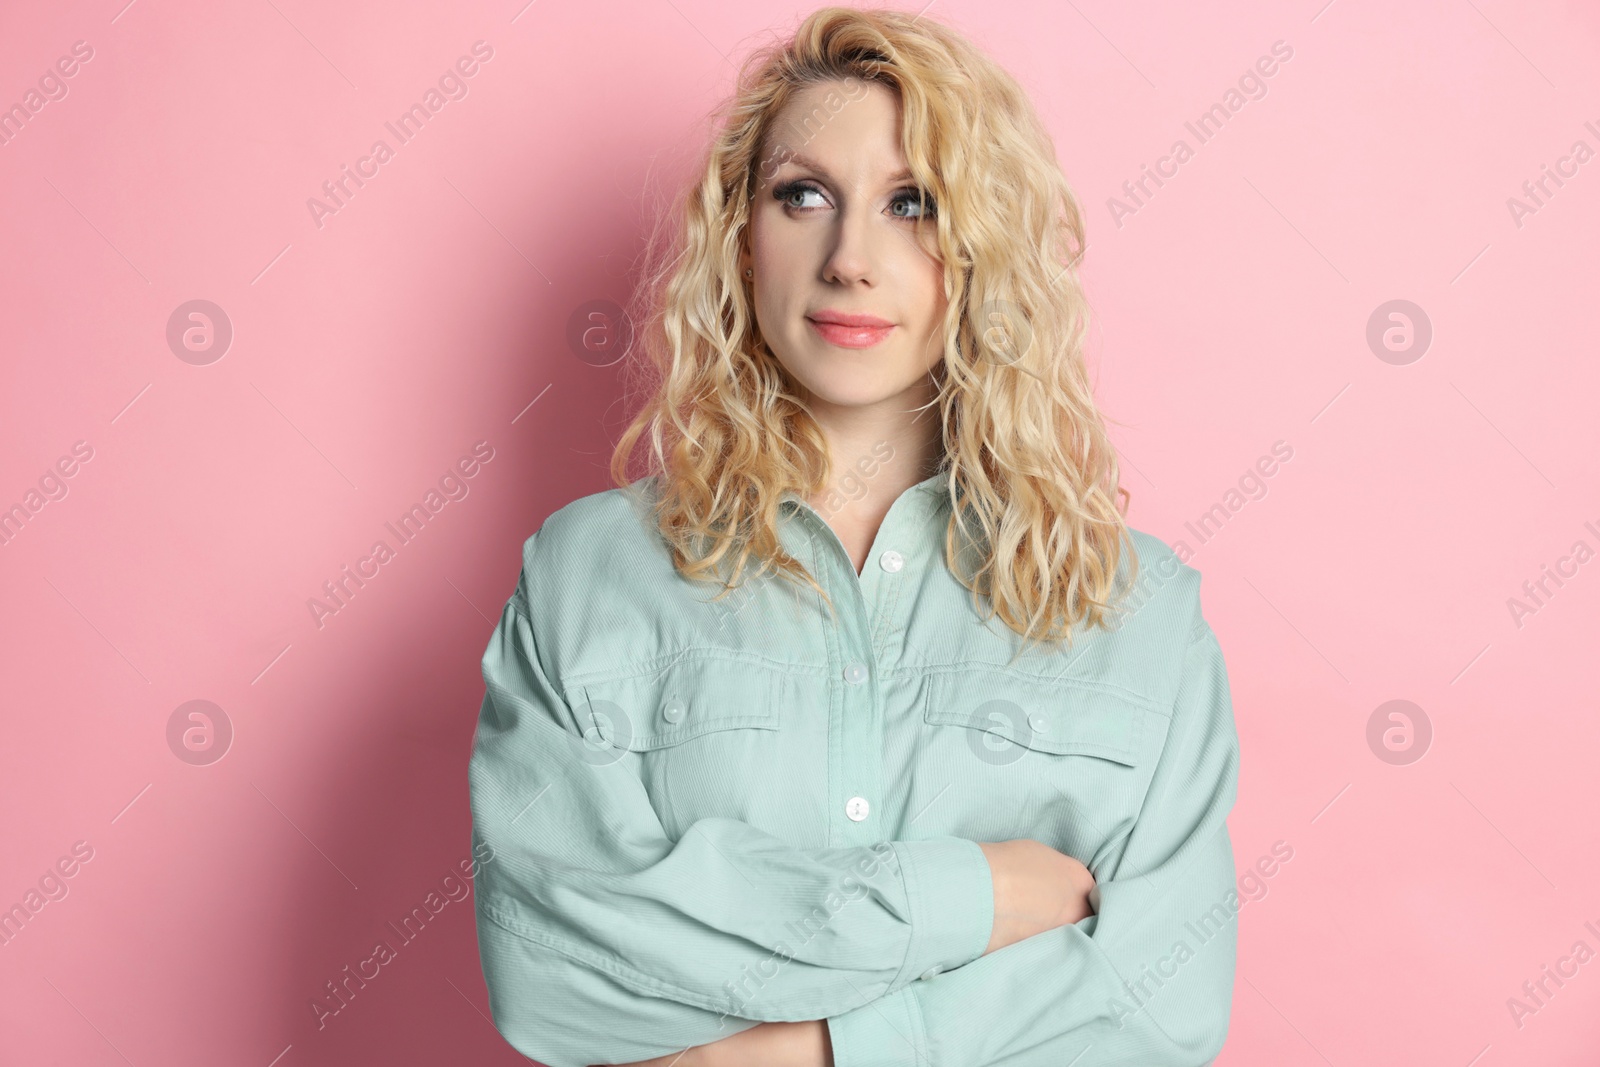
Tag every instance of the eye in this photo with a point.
(786, 194)
(914, 200)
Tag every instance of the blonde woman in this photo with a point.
(861, 730)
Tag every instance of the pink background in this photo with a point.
(372, 352)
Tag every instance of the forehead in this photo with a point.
(843, 127)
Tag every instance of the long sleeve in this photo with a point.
(1147, 980)
(604, 941)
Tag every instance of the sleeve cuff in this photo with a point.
(951, 899)
(886, 1032)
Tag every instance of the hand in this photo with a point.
(686, 1058)
(802, 1044)
(1036, 888)
(689, 1057)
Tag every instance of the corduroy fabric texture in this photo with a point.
(706, 815)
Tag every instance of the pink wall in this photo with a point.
(372, 350)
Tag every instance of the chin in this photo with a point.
(846, 379)
(844, 391)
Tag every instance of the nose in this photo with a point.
(852, 257)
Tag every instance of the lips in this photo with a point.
(850, 330)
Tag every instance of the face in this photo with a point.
(848, 295)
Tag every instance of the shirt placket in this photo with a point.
(856, 719)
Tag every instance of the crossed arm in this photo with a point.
(770, 1044)
(1036, 888)
(603, 940)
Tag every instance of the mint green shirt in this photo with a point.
(704, 815)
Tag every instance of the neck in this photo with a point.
(879, 452)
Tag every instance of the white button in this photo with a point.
(1038, 722)
(672, 710)
(855, 673)
(891, 561)
(932, 972)
(856, 808)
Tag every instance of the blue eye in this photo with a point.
(786, 193)
(908, 203)
(917, 199)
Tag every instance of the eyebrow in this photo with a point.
(802, 160)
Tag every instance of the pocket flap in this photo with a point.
(684, 700)
(1062, 717)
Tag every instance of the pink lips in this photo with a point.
(849, 330)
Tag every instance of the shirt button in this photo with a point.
(856, 808)
(855, 673)
(673, 710)
(932, 972)
(891, 561)
(1038, 722)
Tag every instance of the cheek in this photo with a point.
(771, 297)
(932, 344)
(766, 260)
(925, 291)
(772, 242)
(771, 254)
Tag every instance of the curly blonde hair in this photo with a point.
(1031, 472)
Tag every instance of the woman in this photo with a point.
(939, 775)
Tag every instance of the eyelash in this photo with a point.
(909, 194)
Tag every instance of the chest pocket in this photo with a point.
(1058, 718)
(646, 712)
(1062, 761)
(708, 733)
